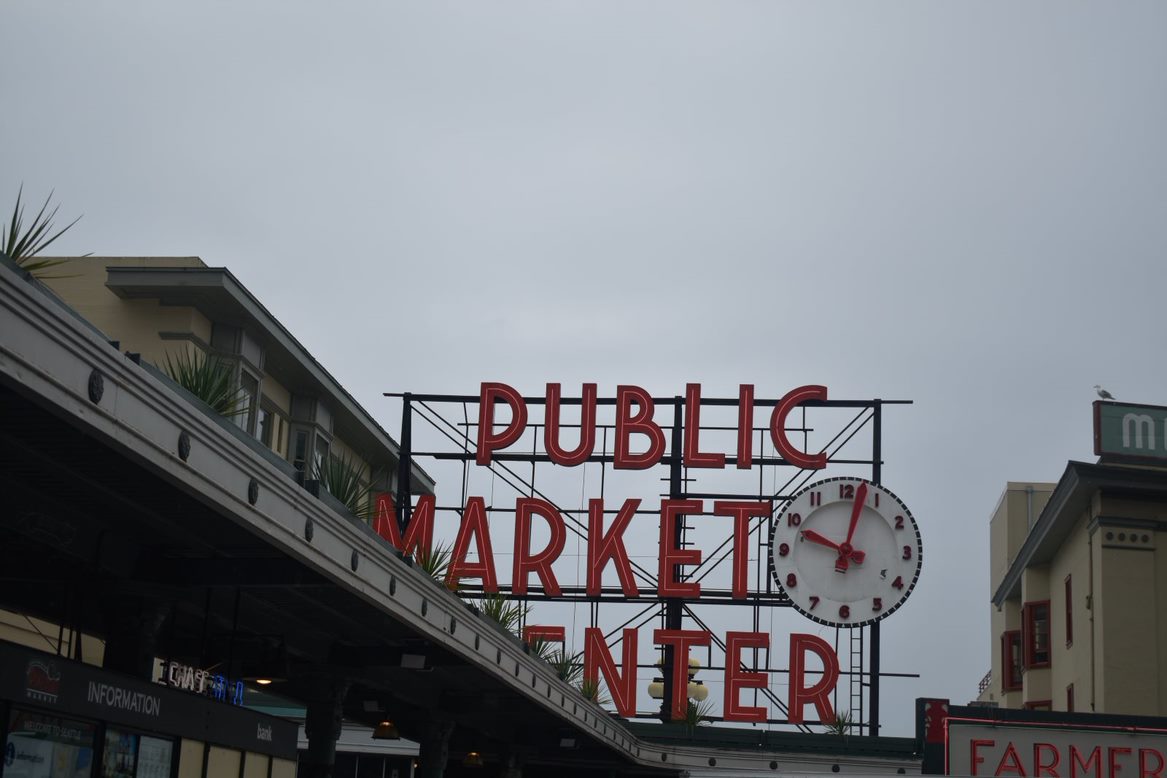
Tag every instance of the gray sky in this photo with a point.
(963, 204)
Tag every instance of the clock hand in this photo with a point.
(847, 553)
(856, 510)
(814, 537)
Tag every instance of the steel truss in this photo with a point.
(861, 645)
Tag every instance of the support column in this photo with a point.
(435, 748)
(133, 624)
(512, 767)
(322, 724)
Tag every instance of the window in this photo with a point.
(1011, 661)
(1036, 636)
(300, 449)
(1069, 613)
(1039, 705)
(273, 428)
(249, 391)
(43, 746)
(1070, 698)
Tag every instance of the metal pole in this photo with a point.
(673, 606)
(876, 472)
(404, 465)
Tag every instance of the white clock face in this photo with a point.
(846, 551)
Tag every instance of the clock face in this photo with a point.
(846, 551)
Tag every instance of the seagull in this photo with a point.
(1105, 395)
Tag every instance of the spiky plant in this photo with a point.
(841, 725)
(591, 690)
(341, 477)
(566, 665)
(23, 245)
(508, 614)
(543, 649)
(435, 561)
(208, 378)
(697, 713)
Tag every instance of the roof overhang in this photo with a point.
(219, 296)
(1077, 486)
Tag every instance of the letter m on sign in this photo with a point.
(1135, 425)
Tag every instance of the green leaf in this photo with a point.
(22, 245)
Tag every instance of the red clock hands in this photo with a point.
(815, 537)
(847, 553)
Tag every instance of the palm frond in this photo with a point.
(697, 713)
(434, 562)
(841, 725)
(508, 614)
(566, 665)
(341, 477)
(22, 245)
(591, 690)
(208, 378)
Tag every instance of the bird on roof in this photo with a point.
(1105, 395)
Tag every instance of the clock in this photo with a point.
(845, 551)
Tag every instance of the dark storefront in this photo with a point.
(67, 719)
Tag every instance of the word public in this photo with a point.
(634, 415)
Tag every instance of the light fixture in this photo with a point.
(472, 759)
(698, 691)
(656, 689)
(386, 730)
(266, 665)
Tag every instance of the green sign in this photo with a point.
(1133, 432)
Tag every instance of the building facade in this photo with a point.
(1079, 592)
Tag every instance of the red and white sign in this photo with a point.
(976, 748)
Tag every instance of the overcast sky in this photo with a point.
(961, 203)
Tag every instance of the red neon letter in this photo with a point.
(792, 455)
(603, 547)
(737, 679)
(745, 427)
(1014, 765)
(1039, 767)
(1095, 759)
(473, 523)
(975, 758)
(742, 512)
(693, 457)
(598, 659)
(671, 557)
(487, 440)
(681, 640)
(539, 563)
(820, 693)
(642, 422)
(1115, 767)
(420, 532)
(587, 427)
(1144, 771)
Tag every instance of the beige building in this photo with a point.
(1079, 592)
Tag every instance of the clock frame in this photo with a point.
(841, 581)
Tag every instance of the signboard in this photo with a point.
(511, 543)
(44, 681)
(977, 748)
(1128, 432)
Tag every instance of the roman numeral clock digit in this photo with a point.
(846, 552)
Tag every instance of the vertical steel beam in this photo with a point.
(404, 465)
